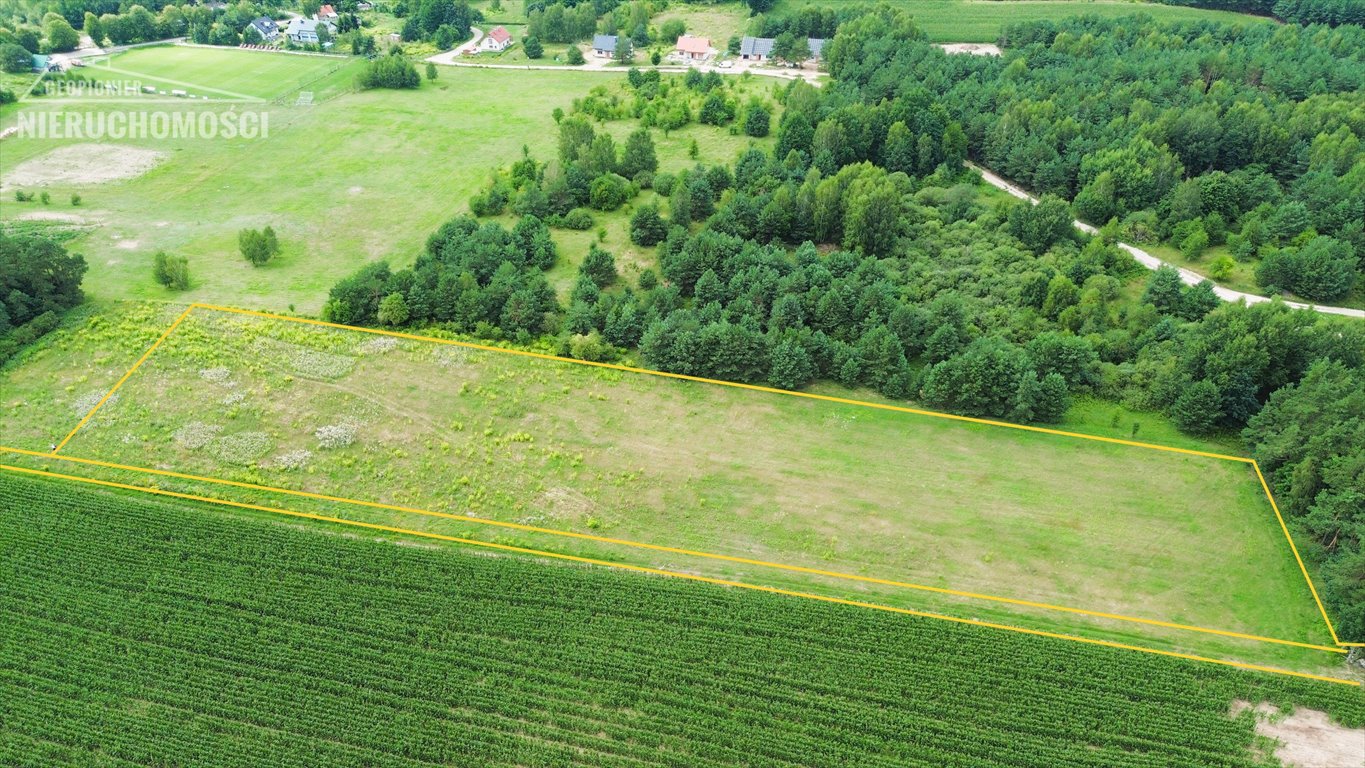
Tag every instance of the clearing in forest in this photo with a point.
(855, 501)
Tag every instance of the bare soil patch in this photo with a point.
(975, 49)
(82, 164)
(1307, 738)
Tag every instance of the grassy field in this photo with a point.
(980, 21)
(770, 477)
(352, 179)
(217, 72)
(142, 632)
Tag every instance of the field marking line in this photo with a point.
(671, 550)
(1302, 569)
(687, 576)
(120, 382)
(735, 384)
(196, 86)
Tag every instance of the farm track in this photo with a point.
(1188, 277)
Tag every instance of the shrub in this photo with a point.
(577, 219)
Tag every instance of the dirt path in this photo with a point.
(1149, 261)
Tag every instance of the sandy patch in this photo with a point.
(1308, 738)
(355, 190)
(65, 218)
(80, 164)
(975, 49)
(126, 245)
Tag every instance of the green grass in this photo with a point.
(354, 179)
(144, 632)
(980, 21)
(216, 72)
(790, 480)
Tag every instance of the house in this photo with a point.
(305, 31)
(325, 12)
(756, 48)
(693, 48)
(265, 27)
(604, 46)
(496, 40)
(816, 45)
(364, 6)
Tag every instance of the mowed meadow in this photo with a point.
(484, 435)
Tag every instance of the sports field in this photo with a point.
(874, 494)
(217, 73)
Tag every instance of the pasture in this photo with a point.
(770, 477)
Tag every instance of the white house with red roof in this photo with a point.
(694, 48)
(325, 12)
(498, 39)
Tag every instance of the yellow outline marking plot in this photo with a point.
(728, 558)
(89, 414)
(678, 575)
(668, 549)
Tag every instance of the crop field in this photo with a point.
(140, 632)
(630, 457)
(980, 21)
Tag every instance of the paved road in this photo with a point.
(1149, 261)
(453, 55)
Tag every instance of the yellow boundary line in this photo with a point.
(752, 387)
(90, 414)
(1302, 569)
(735, 384)
(668, 549)
(687, 576)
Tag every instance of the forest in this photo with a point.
(861, 251)
(39, 280)
(1331, 12)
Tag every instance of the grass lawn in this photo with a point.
(718, 22)
(800, 482)
(980, 21)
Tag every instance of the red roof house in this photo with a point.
(694, 48)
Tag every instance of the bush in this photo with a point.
(608, 192)
(389, 72)
(533, 47)
(663, 183)
(577, 219)
(575, 56)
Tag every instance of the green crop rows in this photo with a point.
(139, 632)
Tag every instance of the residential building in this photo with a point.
(498, 39)
(265, 27)
(604, 46)
(693, 48)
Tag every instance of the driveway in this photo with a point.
(453, 55)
